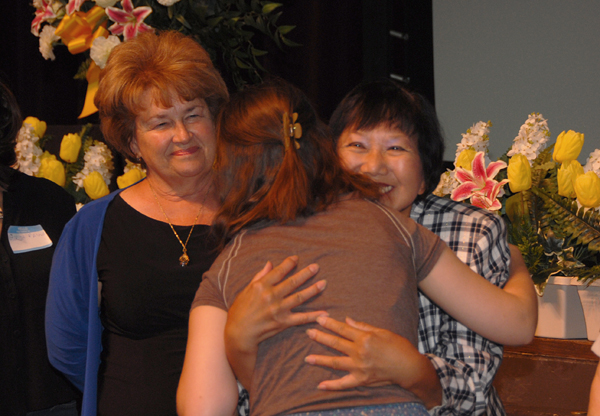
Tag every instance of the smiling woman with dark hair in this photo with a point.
(285, 191)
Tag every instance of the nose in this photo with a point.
(374, 164)
(182, 134)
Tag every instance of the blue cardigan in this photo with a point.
(73, 327)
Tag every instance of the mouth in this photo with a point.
(185, 152)
(384, 189)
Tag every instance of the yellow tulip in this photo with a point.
(69, 147)
(465, 159)
(52, 169)
(567, 173)
(568, 146)
(519, 173)
(587, 188)
(129, 178)
(95, 186)
(39, 127)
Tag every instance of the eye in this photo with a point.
(356, 145)
(397, 148)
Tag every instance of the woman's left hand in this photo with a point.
(374, 357)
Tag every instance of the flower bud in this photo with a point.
(39, 127)
(465, 159)
(130, 177)
(568, 146)
(69, 147)
(567, 173)
(51, 169)
(587, 188)
(519, 173)
(95, 186)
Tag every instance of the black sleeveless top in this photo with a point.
(146, 299)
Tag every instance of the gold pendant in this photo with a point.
(184, 260)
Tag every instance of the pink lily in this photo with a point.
(43, 14)
(479, 184)
(74, 6)
(128, 21)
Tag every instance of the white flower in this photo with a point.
(532, 139)
(101, 49)
(167, 2)
(97, 158)
(130, 165)
(47, 38)
(28, 151)
(475, 138)
(593, 162)
(447, 184)
(106, 3)
(38, 4)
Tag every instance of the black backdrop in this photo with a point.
(344, 42)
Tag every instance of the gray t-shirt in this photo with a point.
(371, 258)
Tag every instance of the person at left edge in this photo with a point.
(28, 383)
(149, 244)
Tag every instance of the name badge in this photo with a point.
(27, 238)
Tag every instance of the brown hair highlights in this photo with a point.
(165, 64)
(261, 181)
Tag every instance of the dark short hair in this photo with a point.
(258, 179)
(10, 123)
(165, 63)
(392, 104)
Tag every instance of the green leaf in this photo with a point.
(241, 64)
(214, 21)
(258, 52)
(269, 7)
(284, 30)
(184, 22)
(290, 43)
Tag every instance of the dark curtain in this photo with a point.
(333, 34)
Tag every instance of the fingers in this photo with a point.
(298, 298)
(337, 343)
(346, 382)
(298, 279)
(302, 318)
(359, 325)
(268, 267)
(340, 328)
(337, 363)
(276, 274)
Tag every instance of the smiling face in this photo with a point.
(390, 158)
(177, 142)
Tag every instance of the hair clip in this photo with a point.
(291, 130)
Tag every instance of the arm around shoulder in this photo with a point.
(506, 316)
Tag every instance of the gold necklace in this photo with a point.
(184, 259)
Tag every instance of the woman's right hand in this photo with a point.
(264, 308)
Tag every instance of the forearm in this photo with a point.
(241, 355)
(427, 386)
(505, 316)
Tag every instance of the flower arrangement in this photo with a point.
(225, 28)
(84, 166)
(552, 203)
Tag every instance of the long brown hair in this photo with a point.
(258, 178)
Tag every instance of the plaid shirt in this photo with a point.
(466, 362)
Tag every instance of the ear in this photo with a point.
(422, 187)
(133, 146)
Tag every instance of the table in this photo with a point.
(547, 377)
